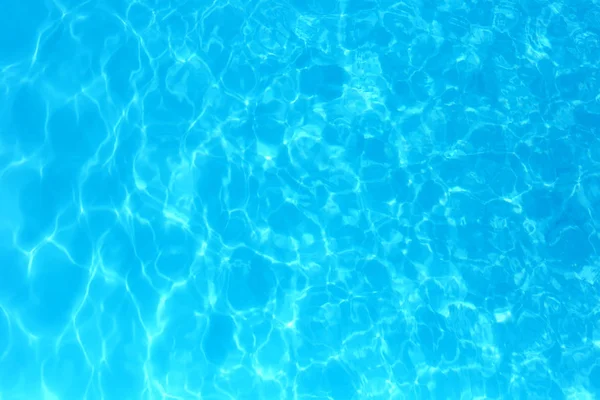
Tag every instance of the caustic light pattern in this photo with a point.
(299, 199)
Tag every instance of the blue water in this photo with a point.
(299, 199)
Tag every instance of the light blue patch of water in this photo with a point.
(299, 200)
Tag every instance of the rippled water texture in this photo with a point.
(299, 199)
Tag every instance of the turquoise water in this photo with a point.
(299, 199)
